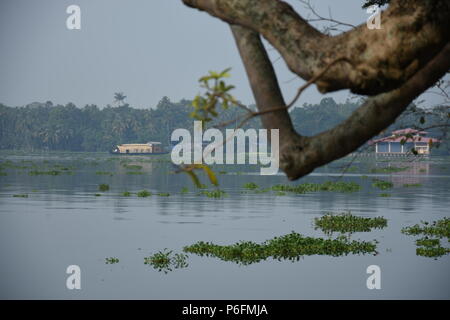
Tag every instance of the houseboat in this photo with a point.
(402, 142)
(149, 148)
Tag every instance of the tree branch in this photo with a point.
(413, 31)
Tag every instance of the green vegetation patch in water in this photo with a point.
(439, 228)
(184, 190)
(430, 247)
(111, 260)
(251, 186)
(213, 193)
(381, 184)
(346, 222)
(409, 185)
(103, 187)
(390, 169)
(132, 166)
(164, 260)
(332, 186)
(20, 196)
(144, 194)
(288, 247)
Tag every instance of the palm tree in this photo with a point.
(119, 98)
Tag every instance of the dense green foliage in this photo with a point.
(311, 119)
(44, 126)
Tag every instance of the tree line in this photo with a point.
(45, 126)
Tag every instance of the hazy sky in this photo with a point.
(146, 48)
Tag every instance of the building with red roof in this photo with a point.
(404, 141)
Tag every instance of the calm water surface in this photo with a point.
(62, 223)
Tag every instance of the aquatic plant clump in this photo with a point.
(389, 169)
(111, 260)
(103, 187)
(20, 196)
(409, 185)
(251, 186)
(184, 190)
(338, 186)
(144, 194)
(439, 228)
(165, 261)
(431, 247)
(49, 173)
(213, 193)
(346, 222)
(289, 247)
(132, 166)
(381, 184)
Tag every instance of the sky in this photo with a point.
(145, 48)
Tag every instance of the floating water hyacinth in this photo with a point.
(388, 169)
(346, 222)
(213, 193)
(165, 261)
(381, 184)
(430, 247)
(338, 186)
(409, 185)
(439, 228)
(103, 187)
(251, 185)
(144, 194)
(111, 260)
(289, 247)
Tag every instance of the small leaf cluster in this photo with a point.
(216, 92)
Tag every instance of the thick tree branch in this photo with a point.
(262, 80)
(413, 31)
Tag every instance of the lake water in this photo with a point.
(62, 222)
